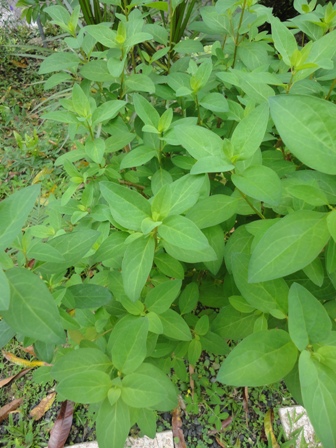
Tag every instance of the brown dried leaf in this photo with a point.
(227, 422)
(23, 362)
(220, 443)
(245, 404)
(45, 404)
(10, 379)
(268, 426)
(177, 429)
(29, 349)
(62, 426)
(10, 407)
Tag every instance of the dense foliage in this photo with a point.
(198, 210)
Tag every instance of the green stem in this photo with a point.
(333, 84)
(237, 35)
(251, 205)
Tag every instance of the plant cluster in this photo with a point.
(199, 209)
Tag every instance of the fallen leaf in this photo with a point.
(23, 362)
(10, 379)
(191, 380)
(10, 407)
(227, 422)
(245, 404)
(45, 404)
(268, 420)
(220, 443)
(19, 64)
(29, 349)
(177, 429)
(62, 426)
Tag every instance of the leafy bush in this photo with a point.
(199, 209)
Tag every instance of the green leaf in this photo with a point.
(331, 222)
(6, 333)
(89, 296)
(32, 310)
(249, 133)
(136, 265)
(80, 361)
(102, 34)
(284, 40)
(262, 358)
(113, 424)
(59, 61)
(111, 251)
(147, 385)
(169, 265)
(128, 340)
(95, 149)
(216, 102)
(315, 146)
(174, 326)
(200, 142)
(183, 233)
(5, 291)
(128, 207)
(212, 210)
(232, 324)
(259, 182)
(194, 351)
(80, 101)
(107, 111)
(160, 298)
(289, 245)
(215, 236)
(201, 76)
(45, 252)
(139, 83)
(202, 325)
(308, 320)
(268, 296)
(155, 324)
(146, 419)
(137, 157)
(96, 71)
(213, 343)
(85, 387)
(146, 111)
(315, 272)
(318, 387)
(189, 298)
(14, 211)
(211, 164)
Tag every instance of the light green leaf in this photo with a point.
(146, 111)
(136, 265)
(194, 351)
(200, 142)
(59, 61)
(188, 300)
(262, 358)
(259, 182)
(113, 424)
(95, 149)
(284, 40)
(212, 210)
(160, 298)
(211, 164)
(139, 83)
(216, 102)
(232, 324)
(6, 333)
(155, 324)
(289, 245)
(308, 320)
(318, 388)
(128, 340)
(85, 387)
(215, 236)
(128, 207)
(137, 157)
(80, 101)
(146, 419)
(306, 124)
(32, 310)
(102, 34)
(5, 291)
(174, 326)
(147, 385)
(14, 211)
(169, 265)
(107, 111)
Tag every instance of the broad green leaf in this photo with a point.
(183, 233)
(308, 320)
(128, 340)
(330, 257)
(5, 291)
(160, 298)
(306, 125)
(188, 300)
(215, 236)
(14, 211)
(190, 255)
(331, 222)
(202, 325)
(85, 387)
(259, 182)
(146, 419)
(309, 193)
(80, 361)
(213, 343)
(113, 424)
(201, 76)
(211, 164)
(216, 102)
(6, 333)
(139, 83)
(318, 387)
(262, 358)
(107, 111)
(137, 157)
(174, 326)
(284, 40)
(194, 351)
(136, 265)
(45, 252)
(114, 395)
(95, 149)
(96, 71)
(148, 385)
(102, 34)
(232, 324)
(59, 61)
(128, 207)
(240, 304)
(111, 251)
(289, 245)
(32, 310)
(146, 111)
(200, 142)
(212, 210)
(169, 265)
(268, 296)
(87, 295)
(159, 179)
(154, 322)
(80, 101)
(249, 133)
(315, 272)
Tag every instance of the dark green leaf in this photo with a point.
(86, 295)
(85, 387)
(160, 298)
(212, 210)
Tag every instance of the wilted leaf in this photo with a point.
(45, 404)
(177, 429)
(268, 420)
(23, 362)
(10, 379)
(10, 407)
(62, 426)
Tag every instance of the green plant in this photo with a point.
(199, 209)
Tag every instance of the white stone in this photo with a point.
(162, 440)
(294, 419)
